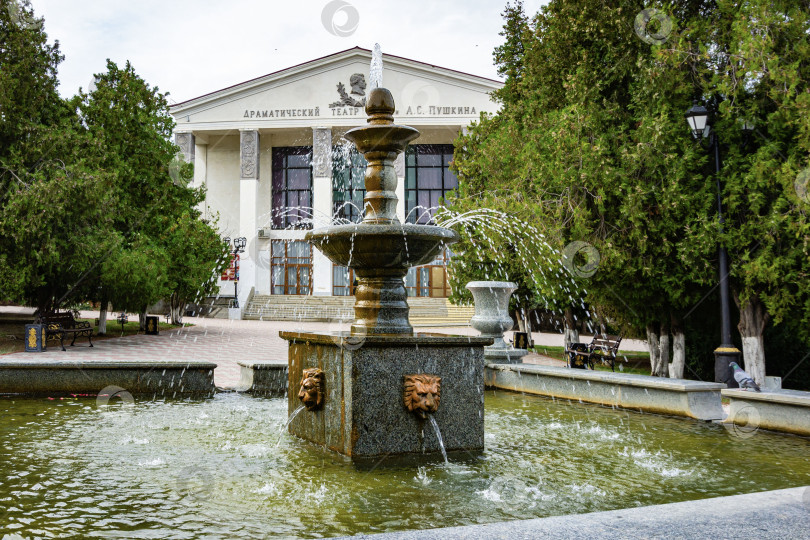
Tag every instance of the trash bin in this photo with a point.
(521, 340)
(152, 325)
(35, 338)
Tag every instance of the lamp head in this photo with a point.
(697, 117)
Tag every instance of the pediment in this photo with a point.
(332, 90)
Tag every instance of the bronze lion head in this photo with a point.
(422, 394)
(312, 389)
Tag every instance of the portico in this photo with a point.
(271, 154)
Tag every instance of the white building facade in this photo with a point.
(272, 156)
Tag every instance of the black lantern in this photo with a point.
(698, 118)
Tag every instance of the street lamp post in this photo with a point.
(698, 117)
(238, 247)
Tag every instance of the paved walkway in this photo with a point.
(225, 342)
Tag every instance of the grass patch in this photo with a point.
(131, 328)
(638, 362)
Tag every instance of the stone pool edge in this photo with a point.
(777, 514)
(678, 397)
(165, 378)
(776, 410)
(267, 378)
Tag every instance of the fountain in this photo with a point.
(367, 371)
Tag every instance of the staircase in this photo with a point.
(438, 312)
(424, 311)
(300, 308)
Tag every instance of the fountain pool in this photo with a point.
(215, 467)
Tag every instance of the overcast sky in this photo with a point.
(189, 48)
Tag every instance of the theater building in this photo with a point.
(272, 156)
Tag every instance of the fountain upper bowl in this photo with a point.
(365, 246)
(385, 137)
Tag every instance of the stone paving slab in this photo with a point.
(782, 514)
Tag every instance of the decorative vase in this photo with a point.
(492, 318)
(492, 309)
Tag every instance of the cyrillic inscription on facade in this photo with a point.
(282, 113)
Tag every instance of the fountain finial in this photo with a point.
(375, 70)
(380, 106)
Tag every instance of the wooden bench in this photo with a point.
(59, 325)
(603, 347)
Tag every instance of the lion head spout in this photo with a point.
(312, 391)
(422, 394)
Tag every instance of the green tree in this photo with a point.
(591, 140)
(91, 195)
(131, 120)
(198, 255)
(135, 275)
(31, 111)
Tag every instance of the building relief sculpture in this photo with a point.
(322, 152)
(358, 84)
(250, 154)
(186, 143)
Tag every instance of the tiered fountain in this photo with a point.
(369, 392)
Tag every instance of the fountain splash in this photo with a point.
(292, 416)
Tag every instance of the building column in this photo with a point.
(201, 172)
(248, 211)
(321, 205)
(399, 167)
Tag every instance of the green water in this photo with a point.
(222, 468)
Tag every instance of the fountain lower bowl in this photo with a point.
(364, 246)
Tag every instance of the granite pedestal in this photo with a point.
(364, 414)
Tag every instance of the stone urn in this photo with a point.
(492, 318)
